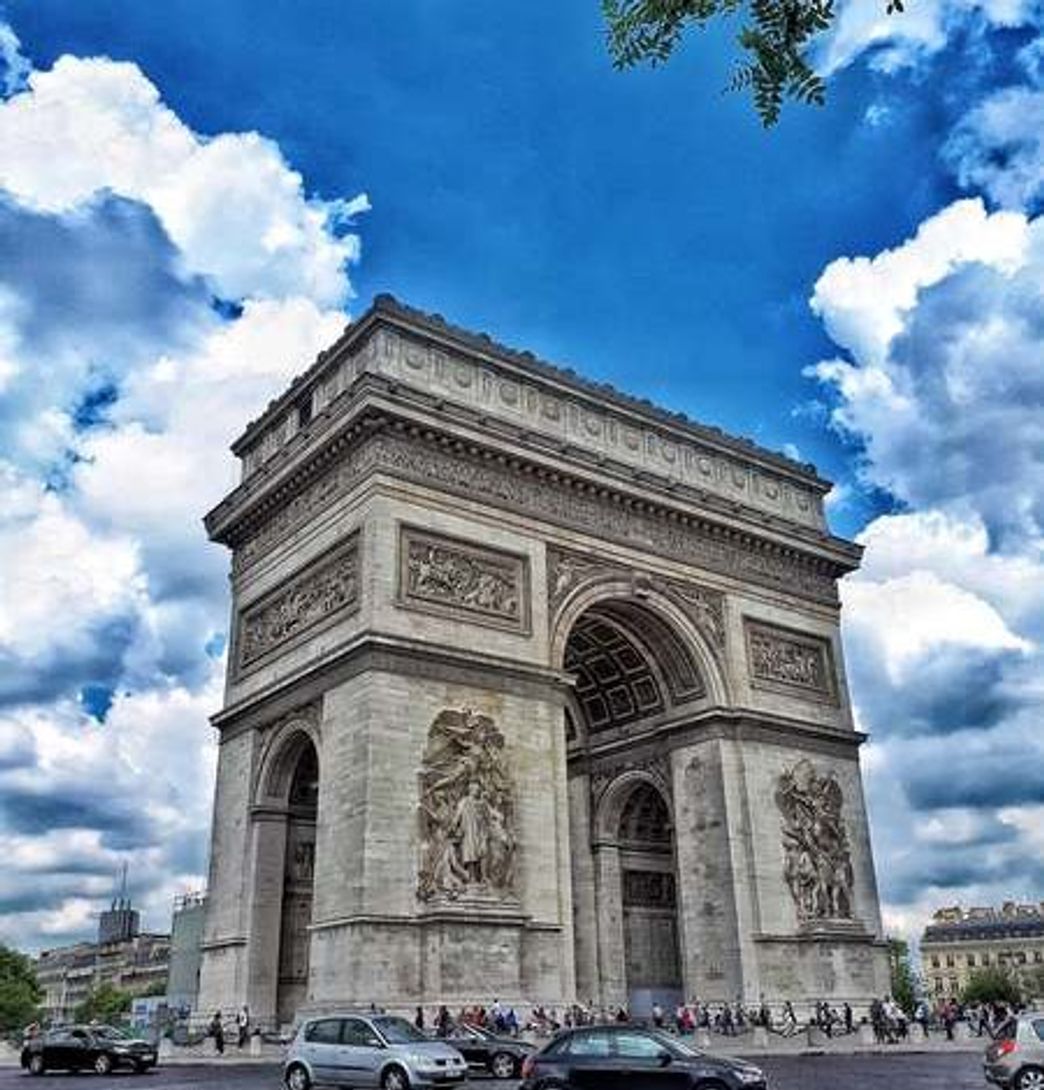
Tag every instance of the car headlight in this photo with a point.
(421, 1060)
(120, 1048)
(750, 1074)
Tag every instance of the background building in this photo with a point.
(124, 957)
(186, 936)
(959, 942)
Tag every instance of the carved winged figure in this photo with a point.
(817, 865)
(466, 810)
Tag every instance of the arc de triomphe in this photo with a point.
(535, 692)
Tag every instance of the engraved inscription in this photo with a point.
(487, 584)
(323, 590)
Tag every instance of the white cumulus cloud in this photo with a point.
(237, 212)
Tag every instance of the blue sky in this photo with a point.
(860, 286)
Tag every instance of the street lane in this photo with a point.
(898, 1071)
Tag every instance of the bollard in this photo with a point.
(866, 1034)
(816, 1037)
(166, 1048)
(702, 1039)
(760, 1038)
(255, 1044)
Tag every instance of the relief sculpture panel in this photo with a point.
(790, 662)
(466, 812)
(817, 862)
(325, 589)
(448, 576)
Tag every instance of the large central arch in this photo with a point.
(637, 664)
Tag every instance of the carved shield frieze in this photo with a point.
(467, 812)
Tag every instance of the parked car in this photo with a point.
(1015, 1059)
(633, 1058)
(369, 1050)
(500, 1057)
(87, 1048)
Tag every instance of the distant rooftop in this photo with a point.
(1011, 920)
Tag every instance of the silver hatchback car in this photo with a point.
(367, 1050)
(1015, 1060)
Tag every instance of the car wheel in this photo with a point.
(36, 1064)
(103, 1064)
(297, 1078)
(503, 1065)
(1030, 1078)
(395, 1079)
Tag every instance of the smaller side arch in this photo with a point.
(280, 757)
(610, 806)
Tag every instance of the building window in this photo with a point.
(1038, 957)
(1020, 958)
(949, 961)
(935, 961)
(986, 960)
(953, 985)
(971, 961)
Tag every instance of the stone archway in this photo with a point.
(649, 901)
(284, 817)
(638, 666)
(298, 884)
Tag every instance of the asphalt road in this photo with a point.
(953, 1071)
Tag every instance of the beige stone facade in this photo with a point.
(535, 692)
(960, 942)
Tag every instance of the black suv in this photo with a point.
(87, 1048)
(621, 1057)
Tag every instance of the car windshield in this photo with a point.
(678, 1047)
(397, 1031)
(112, 1033)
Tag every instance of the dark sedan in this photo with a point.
(86, 1048)
(500, 1057)
(632, 1058)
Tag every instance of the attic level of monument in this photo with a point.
(397, 375)
(455, 367)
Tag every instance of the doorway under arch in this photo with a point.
(298, 880)
(649, 902)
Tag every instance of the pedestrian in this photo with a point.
(217, 1031)
(418, 1019)
(657, 1015)
(242, 1026)
(848, 1017)
(443, 1021)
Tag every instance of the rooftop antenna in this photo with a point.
(121, 900)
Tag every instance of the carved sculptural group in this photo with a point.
(817, 862)
(467, 817)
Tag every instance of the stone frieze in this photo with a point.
(496, 482)
(792, 662)
(460, 579)
(323, 590)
